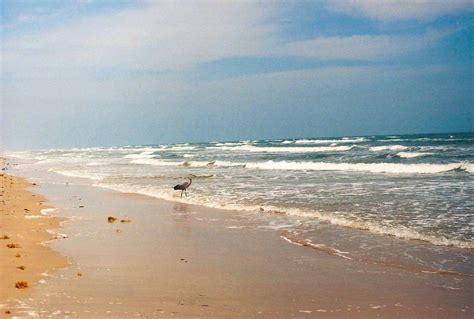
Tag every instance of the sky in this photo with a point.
(102, 73)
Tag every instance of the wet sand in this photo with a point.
(23, 229)
(179, 260)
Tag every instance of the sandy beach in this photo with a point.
(24, 260)
(237, 159)
(162, 259)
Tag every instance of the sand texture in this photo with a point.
(23, 258)
(134, 256)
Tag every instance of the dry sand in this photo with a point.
(24, 229)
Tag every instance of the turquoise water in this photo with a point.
(408, 186)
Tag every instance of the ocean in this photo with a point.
(350, 196)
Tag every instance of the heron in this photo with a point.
(184, 186)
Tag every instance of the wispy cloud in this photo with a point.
(170, 36)
(159, 36)
(391, 10)
(146, 67)
(363, 47)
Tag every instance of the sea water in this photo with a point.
(411, 187)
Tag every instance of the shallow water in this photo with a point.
(175, 259)
(415, 187)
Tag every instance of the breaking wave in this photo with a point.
(147, 154)
(394, 168)
(318, 141)
(411, 154)
(256, 149)
(388, 148)
(367, 167)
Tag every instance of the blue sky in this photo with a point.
(86, 73)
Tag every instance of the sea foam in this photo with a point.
(320, 141)
(257, 149)
(146, 154)
(394, 168)
(388, 148)
(411, 154)
(336, 218)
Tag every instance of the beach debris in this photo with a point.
(21, 267)
(17, 255)
(111, 219)
(204, 305)
(82, 206)
(21, 284)
(79, 274)
(262, 209)
(12, 245)
(5, 237)
(118, 230)
(60, 236)
(125, 220)
(279, 212)
(34, 184)
(8, 312)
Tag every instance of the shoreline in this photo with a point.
(25, 258)
(277, 211)
(187, 260)
(322, 248)
(398, 231)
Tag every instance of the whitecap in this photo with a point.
(146, 154)
(411, 154)
(388, 148)
(181, 148)
(394, 168)
(257, 149)
(330, 141)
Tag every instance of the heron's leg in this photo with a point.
(185, 192)
(181, 193)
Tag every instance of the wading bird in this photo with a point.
(184, 186)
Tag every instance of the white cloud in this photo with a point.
(170, 36)
(363, 47)
(391, 10)
(162, 35)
